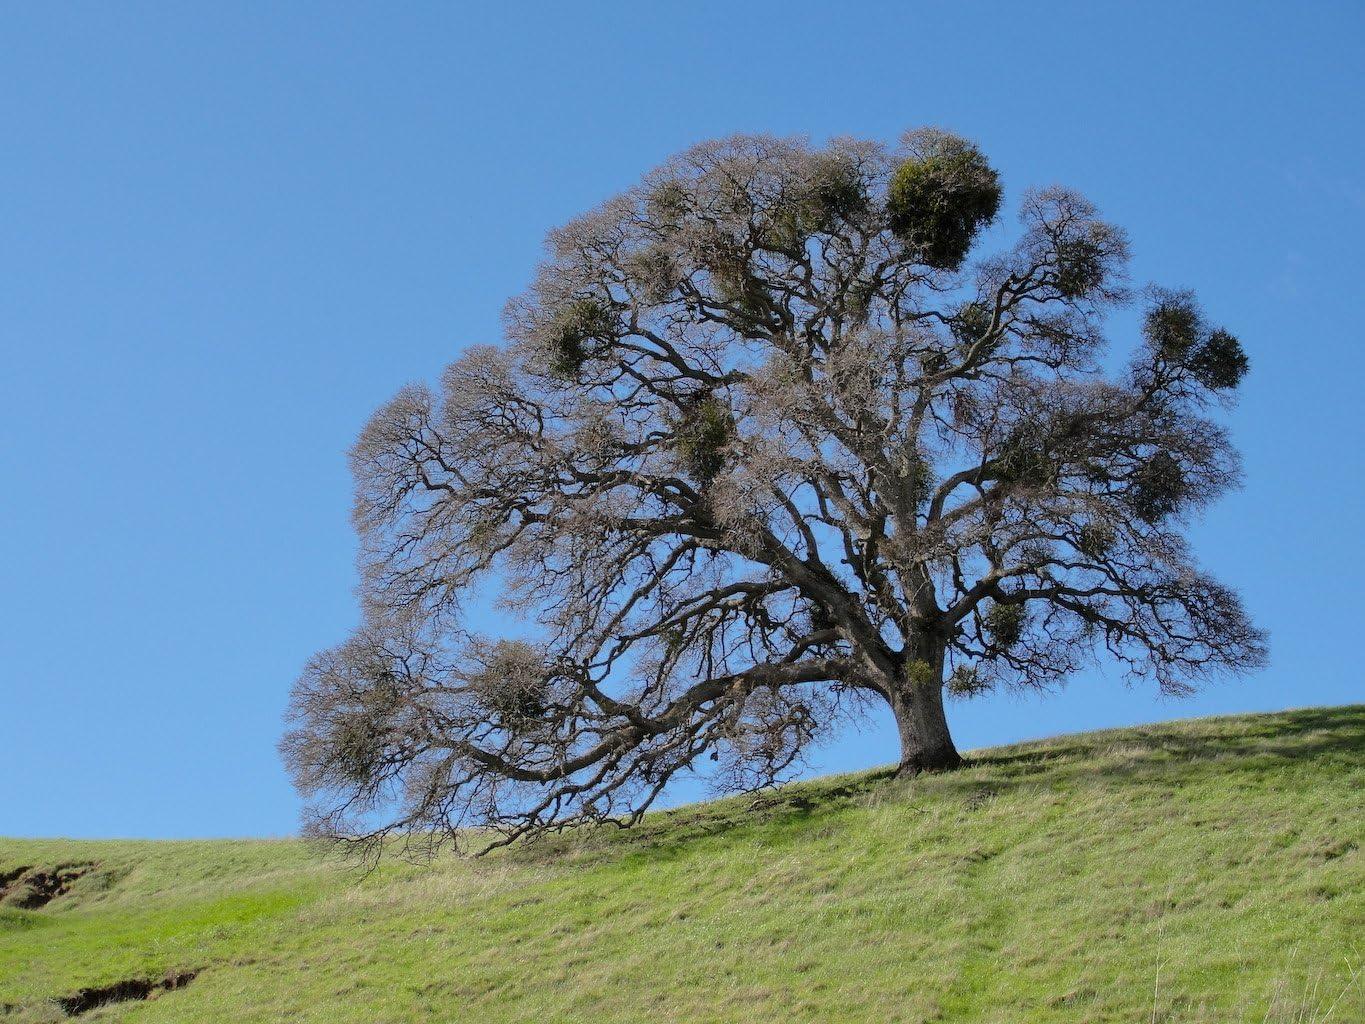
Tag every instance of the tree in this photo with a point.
(765, 448)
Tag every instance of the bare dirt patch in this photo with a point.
(29, 888)
(88, 999)
(6, 877)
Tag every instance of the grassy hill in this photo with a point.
(1207, 870)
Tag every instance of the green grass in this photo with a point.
(1207, 870)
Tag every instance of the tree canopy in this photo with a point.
(769, 444)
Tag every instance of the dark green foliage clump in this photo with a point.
(860, 296)
(513, 690)
(912, 479)
(1175, 329)
(360, 732)
(917, 478)
(820, 618)
(938, 202)
(514, 707)
(1005, 624)
(701, 434)
(1158, 485)
(1080, 266)
(836, 191)
(667, 203)
(966, 681)
(579, 332)
(728, 264)
(920, 673)
(971, 322)
(657, 272)
(1095, 540)
(833, 193)
(1024, 457)
(1219, 363)
(357, 744)
(1173, 325)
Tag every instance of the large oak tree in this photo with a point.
(767, 444)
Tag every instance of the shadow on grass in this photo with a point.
(663, 834)
(1168, 756)
(1285, 736)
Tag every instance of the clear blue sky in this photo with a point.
(228, 231)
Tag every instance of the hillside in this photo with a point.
(1207, 870)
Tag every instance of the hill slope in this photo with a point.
(1208, 870)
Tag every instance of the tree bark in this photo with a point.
(917, 703)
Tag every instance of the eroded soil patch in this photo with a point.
(29, 888)
(7, 877)
(88, 999)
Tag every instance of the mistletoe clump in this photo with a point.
(580, 331)
(1005, 624)
(966, 681)
(1083, 261)
(1024, 457)
(971, 322)
(701, 435)
(1095, 539)
(1175, 328)
(941, 197)
(835, 191)
(1158, 485)
(1173, 325)
(1219, 363)
(511, 685)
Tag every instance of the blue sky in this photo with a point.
(228, 231)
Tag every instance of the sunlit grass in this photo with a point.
(1200, 871)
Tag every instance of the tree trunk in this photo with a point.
(917, 703)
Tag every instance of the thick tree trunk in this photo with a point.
(917, 703)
